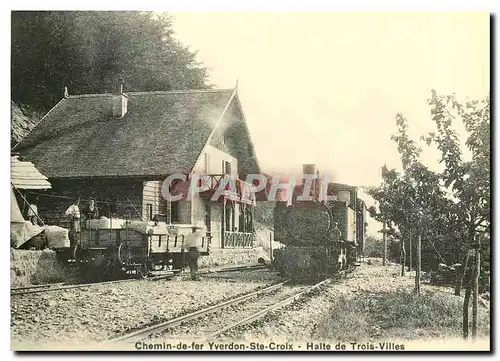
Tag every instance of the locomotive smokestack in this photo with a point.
(119, 103)
(309, 169)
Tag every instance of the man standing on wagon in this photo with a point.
(192, 245)
(91, 211)
(74, 227)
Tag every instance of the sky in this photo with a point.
(324, 88)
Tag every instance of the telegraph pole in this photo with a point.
(410, 254)
(403, 256)
(384, 237)
(419, 263)
(475, 283)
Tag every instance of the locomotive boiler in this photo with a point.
(320, 237)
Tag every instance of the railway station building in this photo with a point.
(119, 148)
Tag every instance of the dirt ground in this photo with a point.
(374, 304)
(77, 317)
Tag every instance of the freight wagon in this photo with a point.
(113, 247)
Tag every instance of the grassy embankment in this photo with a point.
(397, 312)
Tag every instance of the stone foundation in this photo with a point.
(232, 256)
(28, 267)
(36, 267)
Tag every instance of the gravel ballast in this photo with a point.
(93, 314)
(212, 323)
(373, 304)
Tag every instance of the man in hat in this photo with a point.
(192, 245)
(74, 227)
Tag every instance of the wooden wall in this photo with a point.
(199, 213)
(238, 141)
(152, 195)
(216, 224)
(114, 197)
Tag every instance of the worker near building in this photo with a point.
(91, 211)
(73, 212)
(192, 245)
(33, 212)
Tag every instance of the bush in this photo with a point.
(374, 247)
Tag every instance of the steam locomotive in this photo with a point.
(320, 237)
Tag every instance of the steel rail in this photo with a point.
(82, 285)
(146, 332)
(264, 312)
(234, 269)
(65, 286)
(39, 286)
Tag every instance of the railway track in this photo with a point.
(260, 313)
(209, 323)
(70, 285)
(66, 286)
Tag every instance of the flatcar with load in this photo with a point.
(112, 247)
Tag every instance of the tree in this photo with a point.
(373, 247)
(92, 52)
(469, 181)
(413, 202)
(451, 209)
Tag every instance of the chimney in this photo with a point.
(119, 104)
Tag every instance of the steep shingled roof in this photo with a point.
(24, 175)
(162, 133)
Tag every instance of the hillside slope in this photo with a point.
(22, 122)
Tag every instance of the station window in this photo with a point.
(149, 210)
(175, 212)
(226, 167)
